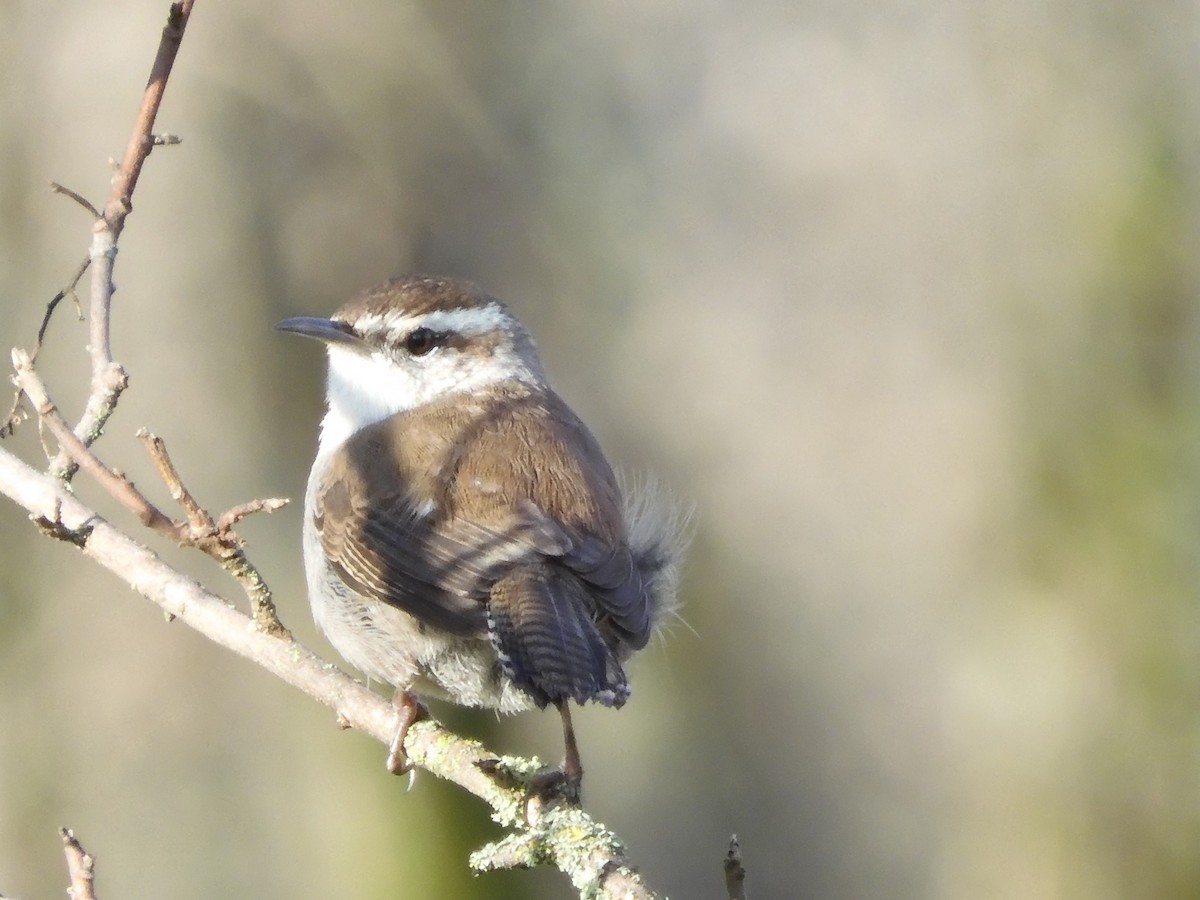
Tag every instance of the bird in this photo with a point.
(465, 538)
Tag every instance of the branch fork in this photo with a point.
(215, 537)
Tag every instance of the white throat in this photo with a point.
(366, 388)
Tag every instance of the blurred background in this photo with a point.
(900, 296)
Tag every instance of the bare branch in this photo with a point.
(108, 378)
(120, 488)
(233, 516)
(80, 866)
(141, 142)
(217, 538)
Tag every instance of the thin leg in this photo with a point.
(409, 710)
(572, 768)
(563, 783)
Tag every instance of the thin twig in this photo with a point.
(76, 196)
(16, 415)
(68, 291)
(198, 517)
(80, 866)
(9, 426)
(243, 510)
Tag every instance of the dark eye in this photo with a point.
(420, 341)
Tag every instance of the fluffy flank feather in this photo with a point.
(660, 529)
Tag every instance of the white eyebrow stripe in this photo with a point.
(471, 320)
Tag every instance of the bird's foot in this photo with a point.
(409, 710)
(549, 787)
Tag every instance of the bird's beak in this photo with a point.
(330, 331)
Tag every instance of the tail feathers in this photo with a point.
(540, 624)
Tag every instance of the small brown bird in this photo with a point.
(464, 536)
